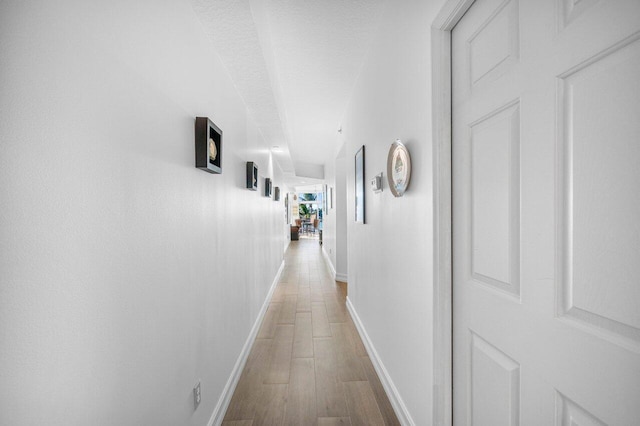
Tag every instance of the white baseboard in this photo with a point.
(394, 397)
(341, 277)
(330, 267)
(223, 402)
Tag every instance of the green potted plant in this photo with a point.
(304, 211)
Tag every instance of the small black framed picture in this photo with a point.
(268, 187)
(208, 146)
(252, 176)
(276, 193)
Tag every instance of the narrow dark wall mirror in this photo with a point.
(359, 175)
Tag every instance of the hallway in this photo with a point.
(308, 365)
(167, 163)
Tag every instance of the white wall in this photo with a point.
(391, 256)
(329, 218)
(340, 215)
(126, 274)
(334, 234)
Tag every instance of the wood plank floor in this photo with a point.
(308, 365)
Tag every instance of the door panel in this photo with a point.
(495, 385)
(546, 208)
(495, 202)
(600, 178)
(493, 47)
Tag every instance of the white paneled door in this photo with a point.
(546, 213)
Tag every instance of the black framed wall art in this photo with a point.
(268, 187)
(252, 176)
(208, 146)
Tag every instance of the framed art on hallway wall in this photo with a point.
(325, 201)
(287, 211)
(268, 187)
(252, 176)
(330, 197)
(208, 145)
(359, 175)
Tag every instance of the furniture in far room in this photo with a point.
(295, 236)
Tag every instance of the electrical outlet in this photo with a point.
(196, 396)
(329, 251)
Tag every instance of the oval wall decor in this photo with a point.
(398, 168)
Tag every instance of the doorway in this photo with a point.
(309, 209)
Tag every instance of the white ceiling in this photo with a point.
(295, 63)
(309, 188)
